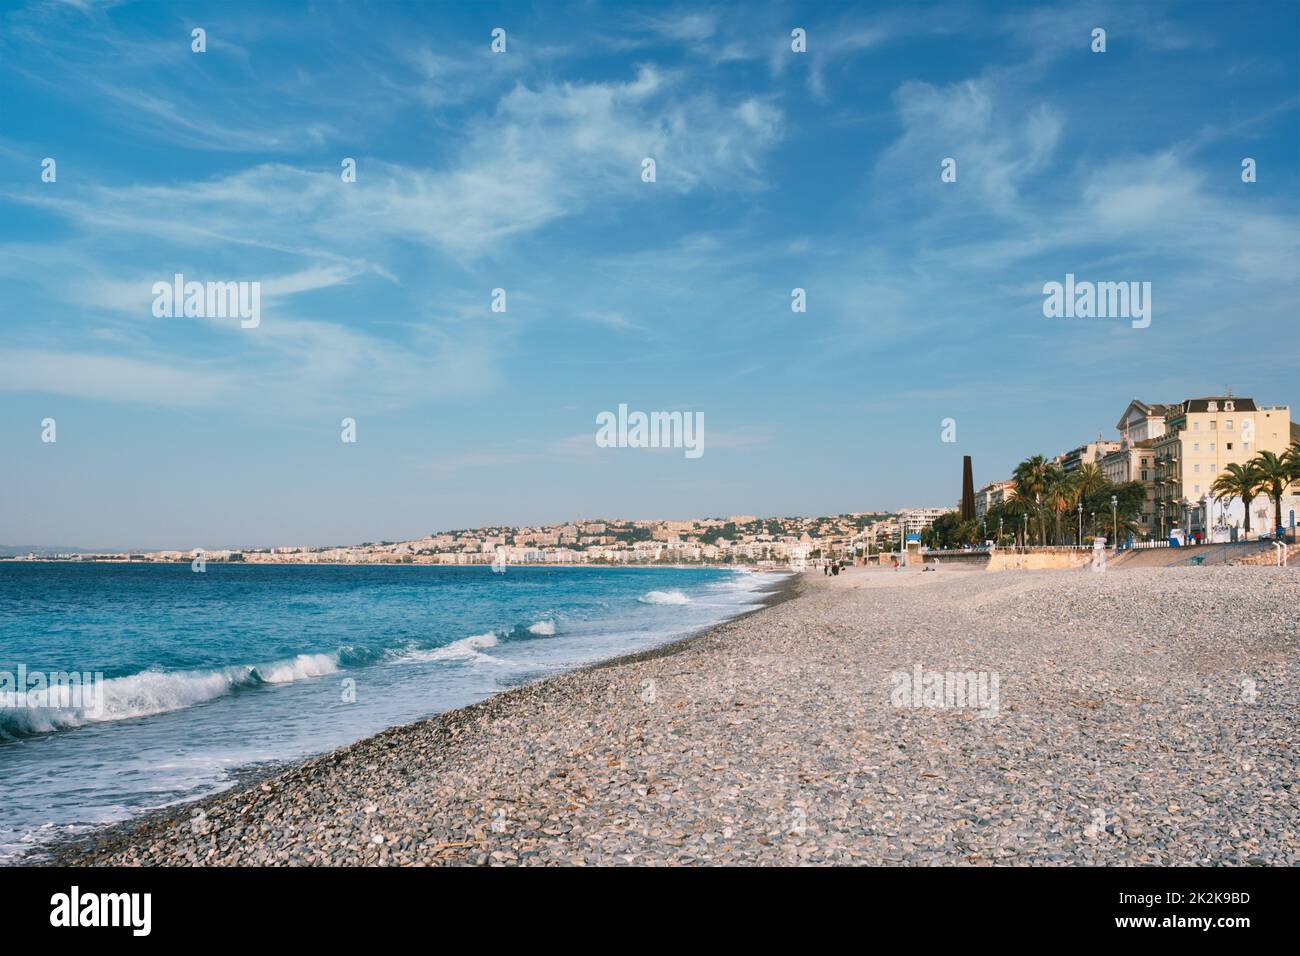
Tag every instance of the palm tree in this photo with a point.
(1058, 492)
(1031, 477)
(1090, 480)
(1073, 498)
(1016, 505)
(1127, 525)
(1275, 473)
(968, 532)
(1239, 481)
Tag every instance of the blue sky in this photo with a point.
(522, 171)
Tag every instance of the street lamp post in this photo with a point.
(1114, 510)
(1080, 541)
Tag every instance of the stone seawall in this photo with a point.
(1038, 560)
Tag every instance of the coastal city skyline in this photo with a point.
(823, 172)
(1158, 446)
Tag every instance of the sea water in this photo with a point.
(208, 674)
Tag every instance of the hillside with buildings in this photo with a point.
(1162, 473)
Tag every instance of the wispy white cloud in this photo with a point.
(552, 152)
(110, 378)
(998, 146)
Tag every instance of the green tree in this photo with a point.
(1031, 477)
(1059, 495)
(1240, 481)
(1014, 508)
(968, 532)
(943, 532)
(1275, 473)
(1089, 480)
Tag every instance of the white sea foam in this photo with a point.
(747, 582)
(664, 597)
(466, 649)
(543, 628)
(158, 692)
(304, 665)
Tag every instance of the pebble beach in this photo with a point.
(1142, 716)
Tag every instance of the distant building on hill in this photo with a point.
(916, 520)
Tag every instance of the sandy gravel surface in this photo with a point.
(1148, 716)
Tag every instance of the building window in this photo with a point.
(1196, 468)
(1229, 446)
(1211, 446)
(1228, 424)
(1214, 425)
(1196, 426)
(1196, 446)
(1245, 446)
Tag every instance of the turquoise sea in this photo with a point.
(206, 674)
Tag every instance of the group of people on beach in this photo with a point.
(832, 567)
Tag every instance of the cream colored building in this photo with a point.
(1139, 427)
(1090, 453)
(916, 520)
(991, 495)
(1203, 437)
(880, 533)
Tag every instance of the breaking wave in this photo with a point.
(466, 649)
(156, 692)
(664, 597)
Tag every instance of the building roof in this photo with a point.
(1147, 411)
(1095, 444)
(1203, 404)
